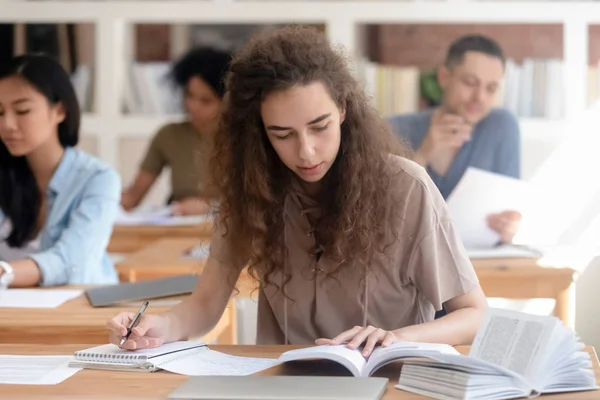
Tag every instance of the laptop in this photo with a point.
(143, 290)
(280, 388)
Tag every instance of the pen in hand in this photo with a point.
(134, 322)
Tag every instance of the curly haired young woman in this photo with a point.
(350, 241)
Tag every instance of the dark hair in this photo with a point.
(207, 63)
(20, 199)
(253, 182)
(477, 43)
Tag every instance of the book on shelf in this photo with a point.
(394, 89)
(593, 83)
(149, 90)
(514, 355)
(534, 88)
(531, 89)
(68, 44)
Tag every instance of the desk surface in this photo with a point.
(167, 252)
(165, 258)
(130, 238)
(75, 321)
(513, 278)
(90, 384)
(163, 253)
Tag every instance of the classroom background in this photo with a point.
(118, 52)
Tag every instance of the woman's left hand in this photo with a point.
(359, 335)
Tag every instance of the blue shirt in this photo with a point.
(83, 198)
(495, 145)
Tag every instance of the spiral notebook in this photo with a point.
(111, 357)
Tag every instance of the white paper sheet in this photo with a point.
(162, 216)
(479, 194)
(36, 298)
(217, 363)
(35, 370)
(185, 220)
(505, 252)
(148, 217)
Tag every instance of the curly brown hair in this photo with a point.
(252, 181)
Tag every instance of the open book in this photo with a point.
(196, 359)
(354, 361)
(514, 355)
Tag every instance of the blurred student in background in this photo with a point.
(57, 204)
(183, 147)
(466, 130)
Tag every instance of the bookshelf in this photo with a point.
(593, 82)
(343, 21)
(398, 55)
(148, 90)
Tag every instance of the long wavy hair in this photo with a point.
(20, 198)
(252, 181)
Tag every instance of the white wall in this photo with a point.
(587, 313)
(534, 152)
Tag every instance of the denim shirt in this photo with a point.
(495, 145)
(83, 198)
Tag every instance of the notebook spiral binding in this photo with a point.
(114, 358)
(132, 358)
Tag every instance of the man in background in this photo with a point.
(466, 130)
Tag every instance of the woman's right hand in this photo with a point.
(151, 331)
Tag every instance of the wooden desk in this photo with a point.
(130, 238)
(525, 278)
(164, 258)
(91, 385)
(76, 321)
(512, 278)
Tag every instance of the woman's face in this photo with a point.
(27, 120)
(303, 124)
(202, 105)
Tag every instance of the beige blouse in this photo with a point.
(427, 266)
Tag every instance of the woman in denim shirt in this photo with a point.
(50, 192)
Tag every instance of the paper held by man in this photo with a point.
(480, 194)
